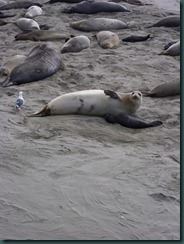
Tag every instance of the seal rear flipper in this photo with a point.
(6, 82)
(44, 112)
(111, 94)
(130, 122)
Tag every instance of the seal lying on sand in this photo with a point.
(42, 35)
(19, 4)
(27, 24)
(173, 50)
(169, 21)
(41, 63)
(165, 90)
(7, 67)
(64, 1)
(166, 46)
(6, 15)
(33, 11)
(134, 38)
(93, 7)
(76, 44)
(93, 102)
(107, 39)
(98, 24)
(114, 107)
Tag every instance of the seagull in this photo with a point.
(20, 100)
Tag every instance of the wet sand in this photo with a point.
(78, 177)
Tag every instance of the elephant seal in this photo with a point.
(92, 102)
(42, 35)
(6, 15)
(27, 24)
(173, 50)
(19, 4)
(107, 39)
(130, 122)
(98, 24)
(7, 67)
(76, 44)
(93, 7)
(41, 63)
(169, 21)
(33, 11)
(165, 90)
(64, 1)
(166, 46)
(136, 38)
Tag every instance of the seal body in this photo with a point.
(93, 102)
(166, 46)
(173, 50)
(19, 4)
(165, 90)
(6, 15)
(169, 21)
(42, 35)
(107, 39)
(64, 1)
(7, 67)
(136, 38)
(33, 11)
(98, 24)
(76, 44)
(27, 24)
(93, 7)
(41, 63)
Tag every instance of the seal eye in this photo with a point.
(133, 93)
(139, 94)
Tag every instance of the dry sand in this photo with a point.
(78, 177)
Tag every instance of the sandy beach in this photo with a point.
(78, 177)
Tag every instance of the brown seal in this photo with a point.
(169, 21)
(41, 63)
(42, 35)
(107, 39)
(164, 90)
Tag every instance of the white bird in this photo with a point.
(20, 101)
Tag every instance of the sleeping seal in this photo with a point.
(33, 11)
(173, 50)
(93, 102)
(93, 7)
(169, 21)
(41, 63)
(42, 35)
(165, 90)
(19, 4)
(98, 24)
(76, 44)
(136, 38)
(107, 39)
(27, 24)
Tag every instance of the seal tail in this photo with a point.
(44, 112)
(6, 82)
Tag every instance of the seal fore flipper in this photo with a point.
(111, 94)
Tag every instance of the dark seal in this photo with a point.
(135, 38)
(130, 122)
(17, 5)
(41, 63)
(93, 7)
